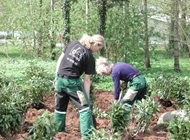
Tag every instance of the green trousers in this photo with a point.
(66, 89)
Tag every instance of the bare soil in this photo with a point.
(104, 101)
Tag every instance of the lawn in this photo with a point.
(15, 59)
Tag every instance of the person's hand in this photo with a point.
(123, 85)
(54, 82)
(116, 101)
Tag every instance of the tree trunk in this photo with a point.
(171, 35)
(52, 34)
(171, 38)
(176, 35)
(66, 16)
(126, 27)
(39, 37)
(87, 7)
(185, 46)
(102, 13)
(146, 38)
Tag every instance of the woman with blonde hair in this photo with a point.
(125, 72)
(75, 60)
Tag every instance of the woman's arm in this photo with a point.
(87, 83)
(59, 62)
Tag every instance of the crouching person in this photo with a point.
(75, 60)
(125, 72)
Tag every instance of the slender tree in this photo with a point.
(184, 31)
(52, 32)
(171, 37)
(87, 7)
(146, 38)
(102, 14)
(176, 35)
(126, 33)
(40, 47)
(66, 17)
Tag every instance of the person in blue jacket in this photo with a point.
(125, 72)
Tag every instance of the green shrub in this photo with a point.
(44, 128)
(13, 105)
(35, 70)
(4, 81)
(15, 95)
(99, 113)
(20, 99)
(143, 111)
(10, 119)
(179, 129)
(101, 134)
(119, 117)
(170, 87)
(37, 82)
(38, 87)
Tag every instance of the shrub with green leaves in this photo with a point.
(20, 99)
(170, 87)
(44, 128)
(99, 113)
(15, 95)
(101, 134)
(119, 117)
(143, 111)
(179, 129)
(4, 81)
(13, 105)
(38, 88)
(10, 119)
(37, 83)
(35, 70)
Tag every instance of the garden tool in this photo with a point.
(120, 95)
(122, 87)
(93, 118)
(81, 97)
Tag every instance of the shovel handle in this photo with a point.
(120, 95)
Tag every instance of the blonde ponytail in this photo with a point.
(88, 41)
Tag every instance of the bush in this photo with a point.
(143, 111)
(169, 87)
(37, 82)
(16, 95)
(179, 129)
(44, 128)
(103, 135)
(10, 119)
(119, 115)
(12, 106)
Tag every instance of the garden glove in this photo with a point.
(116, 101)
(53, 84)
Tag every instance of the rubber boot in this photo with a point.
(86, 123)
(128, 104)
(59, 119)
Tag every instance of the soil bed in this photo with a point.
(103, 101)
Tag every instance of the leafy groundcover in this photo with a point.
(103, 101)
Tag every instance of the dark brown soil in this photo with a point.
(103, 101)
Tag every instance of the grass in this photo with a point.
(14, 61)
